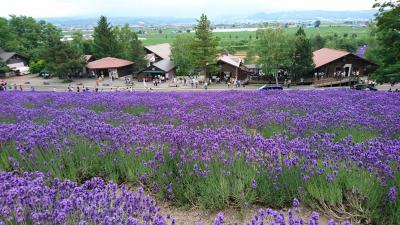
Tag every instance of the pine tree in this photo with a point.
(302, 55)
(105, 43)
(137, 53)
(62, 58)
(205, 51)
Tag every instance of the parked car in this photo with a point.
(271, 87)
(45, 73)
(363, 86)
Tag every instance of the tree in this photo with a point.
(105, 43)
(302, 55)
(25, 35)
(77, 41)
(85, 46)
(3, 67)
(6, 33)
(183, 55)
(63, 59)
(274, 47)
(37, 67)
(123, 37)
(205, 46)
(137, 53)
(317, 23)
(388, 38)
(130, 47)
(318, 42)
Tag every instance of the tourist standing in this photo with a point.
(144, 83)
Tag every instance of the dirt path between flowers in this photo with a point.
(232, 216)
(194, 216)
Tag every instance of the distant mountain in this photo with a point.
(290, 16)
(313, 15)
(117, 21)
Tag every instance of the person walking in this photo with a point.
(144, 83)
(205, 86)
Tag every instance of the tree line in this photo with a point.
(276, 50)
(42, 43)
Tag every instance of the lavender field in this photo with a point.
(66, 158)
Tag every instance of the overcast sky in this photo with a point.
(169, 8)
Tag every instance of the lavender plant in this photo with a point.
(337, 151)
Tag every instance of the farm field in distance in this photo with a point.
(154, 37)
(70, 158)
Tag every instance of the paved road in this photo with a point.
(56, 84)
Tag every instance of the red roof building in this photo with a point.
(108, 63)
(110, 66)
(338, 64)
(326, 55)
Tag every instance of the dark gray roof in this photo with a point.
(162, 50)
(165, 65)
(5, 56)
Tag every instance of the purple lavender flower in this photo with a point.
(296, 202)
(392, 194)
(254, 184)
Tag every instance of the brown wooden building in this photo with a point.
(157, 53)
(13, 60)
(110, 66)
(164, 68)
(232, 68)
(331, 64)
